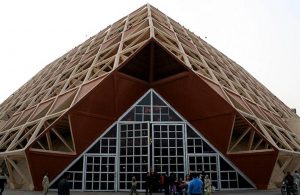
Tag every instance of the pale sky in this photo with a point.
(263, 36)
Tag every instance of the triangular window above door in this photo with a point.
(151, 107)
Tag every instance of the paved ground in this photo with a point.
(247, 192)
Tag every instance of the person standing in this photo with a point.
(166, 184)
(63, 185)
(180, 186)
(195, 186)
(187, 182)
(154, 181)
(172, 179)
(289, 181)
(2, 181)
(133, 186)
(207, 185)
(161, 182)
(45, 184)
(202, 176)
(148, 184)
(297, 178)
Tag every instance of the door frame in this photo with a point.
(217, 165)
(85, 171)
(119, 145)
(183, 124)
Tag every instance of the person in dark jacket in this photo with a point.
(2, 182)
(148, 184)
(172, 179)
(166, 184)
(63, 185)
(289, 181)
(202, 177)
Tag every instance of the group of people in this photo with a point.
(200, 184)
(63, 187)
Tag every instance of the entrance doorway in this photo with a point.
(208, 163)
(168, 154)
(146, 147)
(134, 155)
(100, 173)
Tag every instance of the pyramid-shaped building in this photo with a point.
(146, 94)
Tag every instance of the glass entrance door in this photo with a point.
(100, 173)
(207, 163)
(145, 148)
(134, 154)
(168, 149)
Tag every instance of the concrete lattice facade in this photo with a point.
(64, 108)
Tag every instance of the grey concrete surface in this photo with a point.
(240, 192)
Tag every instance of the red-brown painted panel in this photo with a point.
(202, 107)
(87, 87)
(127, 92)
(100, 100)
(258, 166)
(217, 130)
(193, 98)
(40, 163)
(214, 86)
(86, 128)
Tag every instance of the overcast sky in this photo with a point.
(263, 36)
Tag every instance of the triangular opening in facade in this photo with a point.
(245, 138)
(58, 138)
(152, 63)
(151, 135)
